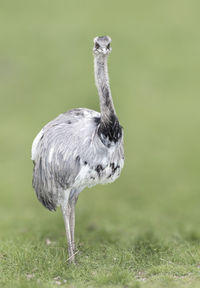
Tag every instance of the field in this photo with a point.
(144, 229)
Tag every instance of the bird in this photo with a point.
(78, 149)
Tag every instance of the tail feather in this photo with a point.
(43, 191)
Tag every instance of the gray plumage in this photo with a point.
(78, 149)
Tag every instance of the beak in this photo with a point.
(104, 51)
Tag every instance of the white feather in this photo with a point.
(35, 144)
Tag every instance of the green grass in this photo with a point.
(144, 229)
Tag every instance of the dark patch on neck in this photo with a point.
(106, 96)
(107, 99)
(109, 131)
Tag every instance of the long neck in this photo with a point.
(103, 87)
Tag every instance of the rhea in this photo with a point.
(80, 148)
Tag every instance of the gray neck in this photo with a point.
(103, 87)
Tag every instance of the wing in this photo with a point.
(58, 152)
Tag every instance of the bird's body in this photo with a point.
(69, 155)
(80, 148)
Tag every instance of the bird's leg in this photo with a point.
(72, 203)
(66, 215)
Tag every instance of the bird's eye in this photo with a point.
(97, 45)
(108, 46)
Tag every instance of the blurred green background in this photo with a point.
(46, 68)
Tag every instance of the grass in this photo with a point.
(143, 230)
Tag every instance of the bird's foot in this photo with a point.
(71, 258)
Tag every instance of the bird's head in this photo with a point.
(102, 45)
